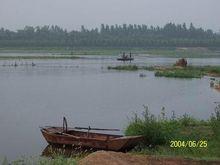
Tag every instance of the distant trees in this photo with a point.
(171, 35)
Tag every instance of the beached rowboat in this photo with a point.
(87, 139)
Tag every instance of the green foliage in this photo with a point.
(160, 131)
(188, 72)
(4, 161)
(155, 131)
(215, 121)
(187, 120)
(179, 73)
(58, 160)
(124, 67)
(171, 35)
(210, 153)
(211, 69)
(175, 72)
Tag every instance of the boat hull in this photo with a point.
(91, 140)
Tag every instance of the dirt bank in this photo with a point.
(118, 158)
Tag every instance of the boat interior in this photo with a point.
(81, 134)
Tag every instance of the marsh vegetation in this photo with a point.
(188, 72)
(160, 130)
(124, 67)
(173, 71)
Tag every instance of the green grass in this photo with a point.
(188, 72)
(52, 155)
(174, 72)
(211, 70)
(59, 160)
(124, 67)
(159, 131)
(192, 153)
(179, 73)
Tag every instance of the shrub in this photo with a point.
(187, 120)
(159, 131)
(155, 131)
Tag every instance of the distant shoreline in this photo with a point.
(67, 53)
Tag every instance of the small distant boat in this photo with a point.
(125, 57)
(87, 139)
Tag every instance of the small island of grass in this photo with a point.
(124, 67)
(187, 72)
(179, 73)
(174, 71)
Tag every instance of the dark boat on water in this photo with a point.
(125, 57)
(87, 139)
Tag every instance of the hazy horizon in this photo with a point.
(71, 14)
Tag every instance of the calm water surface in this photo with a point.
(88, 94)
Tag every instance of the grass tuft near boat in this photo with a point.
(86, 139)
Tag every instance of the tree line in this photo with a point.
(132, 35)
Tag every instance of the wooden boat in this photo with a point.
(87, 139)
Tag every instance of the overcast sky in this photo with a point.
(71, 14)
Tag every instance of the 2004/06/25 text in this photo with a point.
(189, 143)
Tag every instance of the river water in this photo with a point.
(88, 94)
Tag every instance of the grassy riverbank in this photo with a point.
(177, 136)
(173, 137)
(51, 155)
